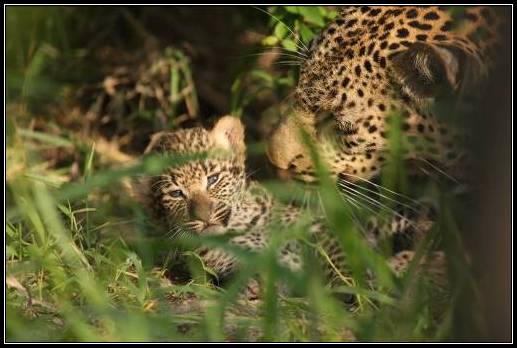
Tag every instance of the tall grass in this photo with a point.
(84, 264)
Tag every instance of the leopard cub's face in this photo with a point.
(198, 196)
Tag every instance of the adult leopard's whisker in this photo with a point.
(346, 182)
(288, 28)
(297, 55)
(440, 171)
(380, 187)
(379, 205)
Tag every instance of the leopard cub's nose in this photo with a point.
(200, 207)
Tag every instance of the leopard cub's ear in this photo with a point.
(228, 133)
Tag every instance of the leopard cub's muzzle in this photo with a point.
(207, 215)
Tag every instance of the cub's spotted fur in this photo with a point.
(211, 196)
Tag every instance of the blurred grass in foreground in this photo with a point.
(83, 264)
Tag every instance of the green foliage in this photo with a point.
(295, 26)
(84, 264)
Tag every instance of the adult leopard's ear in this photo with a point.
(228, 133)
(426, 70)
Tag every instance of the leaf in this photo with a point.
(312, 15)
(306, 33)
(270, 41)
(331, 14)
(45, 137)
(281, 30)
(292, 9)
(88, 165)
(289, 45)
(262, 75)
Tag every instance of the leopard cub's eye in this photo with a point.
(212, 179)
(176, 193)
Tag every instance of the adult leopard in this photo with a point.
(374, 63)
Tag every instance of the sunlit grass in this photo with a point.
(85, 264)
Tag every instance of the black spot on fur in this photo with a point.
(358, 70)
(374, 12)
(389, 26)
(420, 128)
(421, 26)
(440, 37)
(353, 33)
(368, 66)
(254, 221)
(351, 23)
(421, 37)
(384, 36)
(372, 129)
(447, 26)
(411, 14)
(384, 44)
(402, 33)
(345, 82)
(376, 56)
(370, 48)
(360, 93)
(431, 16)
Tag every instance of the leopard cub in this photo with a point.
(210, 195)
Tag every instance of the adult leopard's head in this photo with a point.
(373, 64)
(198, 195)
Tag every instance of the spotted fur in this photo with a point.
(211, 196)
(375, 62)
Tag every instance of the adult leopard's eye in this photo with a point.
(212, 179)
(176, 193)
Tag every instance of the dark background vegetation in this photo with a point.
(87, 86)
